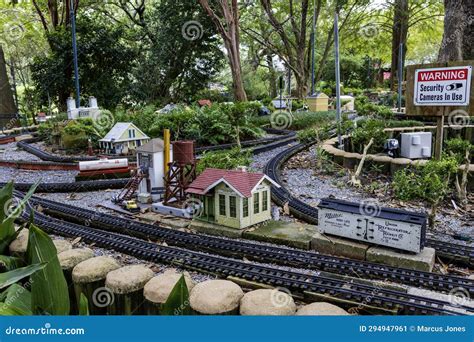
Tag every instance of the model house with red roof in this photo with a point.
(233, 198)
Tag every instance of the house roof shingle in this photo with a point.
(117, 131)
(241, 181)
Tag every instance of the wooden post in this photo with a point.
(167, 151)
(439, 137)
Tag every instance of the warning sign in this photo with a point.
(443, 86)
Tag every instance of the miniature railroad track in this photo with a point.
(455, 252)
(256, 251)
(298, 282)
(262, 145)
(283, 136)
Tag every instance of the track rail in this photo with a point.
(256, 251)
(52, 159)
(86, 186)
(455, 252)
(295, 281)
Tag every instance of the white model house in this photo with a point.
(92, 111)
(150, 161)
(123, 138)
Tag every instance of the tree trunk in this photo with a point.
(236, 70)
(458, 42)
(399, 36)
(8, 109)
(227, 24)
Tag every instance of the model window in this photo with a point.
(265, 201)
(222, 210)
(245, 208)
(256, 203)
(233, 206)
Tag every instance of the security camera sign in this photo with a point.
(443, 86)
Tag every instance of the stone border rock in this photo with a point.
(390, 165)
(216, 297)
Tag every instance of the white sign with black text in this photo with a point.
(443, 86)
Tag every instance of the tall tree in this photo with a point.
(458, 37)
(225, 15)
(406, 15)
(7, 104)
(399, 36)
(55, 17)
(294, 43)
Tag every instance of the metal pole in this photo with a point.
(74, 50)
(313, 50)
(338, 79)
(400, 76)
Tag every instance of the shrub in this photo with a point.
(176, 121)
(430, 183)
(214, 95)
(362, 135)
(457, 148)
(76, 134)
(315, 134)
(226, 160)
(300, 120)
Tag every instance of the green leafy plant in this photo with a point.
(46, 290)
(227, 160)
(177, 302)
(430, 183)
(457, 148)
(371, 129)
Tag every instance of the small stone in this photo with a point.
(128, 279)
(19, 245)
(267, 302)
(158, 289)
(213, 297)
(471, 277)
(70, 258)
(94, 269)
(62, 245)
(321, 309)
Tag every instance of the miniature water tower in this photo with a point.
(181, 172)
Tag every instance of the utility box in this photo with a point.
(395, 228)
(318, 102)
(416, 145)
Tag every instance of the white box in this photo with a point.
(416, 145)
(387, 227)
